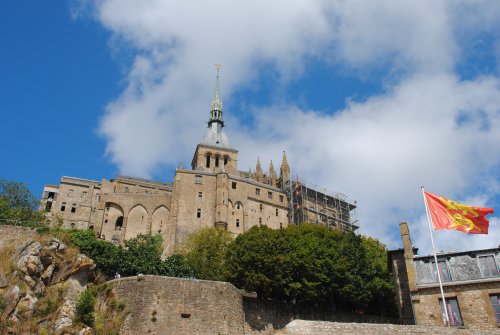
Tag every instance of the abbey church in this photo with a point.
(212, 193)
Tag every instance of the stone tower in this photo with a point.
(215, 153)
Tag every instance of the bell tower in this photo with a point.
(215, 153)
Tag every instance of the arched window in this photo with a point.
(217, 161)
(208, 161)
(226, 160)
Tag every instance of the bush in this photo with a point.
(141, 255)
(85, 308)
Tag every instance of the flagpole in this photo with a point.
(429, 220)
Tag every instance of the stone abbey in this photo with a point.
(212, 193)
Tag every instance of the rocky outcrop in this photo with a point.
(41, 265)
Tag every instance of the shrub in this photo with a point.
(85, 308)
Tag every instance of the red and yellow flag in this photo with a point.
(449, 214)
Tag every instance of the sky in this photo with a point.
(371, 99)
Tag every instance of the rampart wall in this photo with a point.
(176, 306)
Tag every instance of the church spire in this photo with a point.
(216, 122)
(284, 170)
(259, 173)
(272, 174)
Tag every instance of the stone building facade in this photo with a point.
(212, 193)
(471, 284)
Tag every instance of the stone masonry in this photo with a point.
(164, 305)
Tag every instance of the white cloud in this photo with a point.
(429, 127)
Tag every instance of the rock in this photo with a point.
(11, 299)
(46, 260)
(35, 284)
(29, 262)
(57, 245)
(86, 331)
(65, 316)
(25, 306)
(82, 265)
(62, 247)
(47, 274)
(4, 281)
(30, 281)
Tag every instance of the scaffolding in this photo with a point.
(308, 204)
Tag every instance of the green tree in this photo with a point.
(176, 266)
(142, 255)
(206, 253)
(310, 263)
(17, 203)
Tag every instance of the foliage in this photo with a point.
(84, 312)
(140, 255)
(17, 203)
(176, 266)
(312, 264)
(206, 253)
(50, 302)
(2, 303)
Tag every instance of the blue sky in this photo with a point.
(369, 99)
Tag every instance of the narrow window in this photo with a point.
(226, 159)
(216, 161)
(488, 266)
(269, 195)
(73, 208)
(443, 271)
(198, 213)
(70, 194)
(453, 312)
(237, 222)
(119, 223)
(281, 225)
(238, 206)
(63, 207)
(276, 212)
(282, 198)
(260, 220)
(200, 195)
(197, 179)
(207, 161)
(234, 185)
(84, 195)
(495, 302)
(261, 207)
(257, 191)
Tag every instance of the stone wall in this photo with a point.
(261, 313)
(160, 305)
(300, 327)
